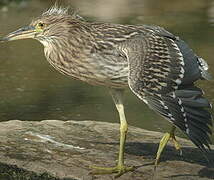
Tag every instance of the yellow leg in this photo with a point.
(120, 168)
(164, 141)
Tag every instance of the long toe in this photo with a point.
(177, 145)
(119, 170)
(122, 170)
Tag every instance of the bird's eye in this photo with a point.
(41, 25)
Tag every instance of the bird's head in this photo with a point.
(52, 24)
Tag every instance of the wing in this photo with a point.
(156, 64)
(162, 72)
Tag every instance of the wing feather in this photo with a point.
(160, 74)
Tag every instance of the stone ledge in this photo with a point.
(53, 149)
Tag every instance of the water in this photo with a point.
(32, 90)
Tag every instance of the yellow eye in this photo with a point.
(41, 25)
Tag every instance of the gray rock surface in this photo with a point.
(53, 149)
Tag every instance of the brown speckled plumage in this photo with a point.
(157, 66)
(154, 63)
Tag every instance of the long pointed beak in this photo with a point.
(22, 33)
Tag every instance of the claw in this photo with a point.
(177, 145)
(120, 170)
(163, 142)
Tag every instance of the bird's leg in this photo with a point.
(117, 97)
(120, 168)
(167, 136)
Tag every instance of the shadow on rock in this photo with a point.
(207, 172)
(203, 173)
(191, 155)
(148, 150)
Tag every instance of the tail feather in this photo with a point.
(198, 112)
(196, 139)
(187, 109)
(200, 126)
(200, 135)
(202, 131)
(196, 102)
(199, 119)
(188, 93)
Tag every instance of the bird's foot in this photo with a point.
(119, 170)
(176, 145)
(163, 143)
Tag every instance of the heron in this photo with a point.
(156, 65)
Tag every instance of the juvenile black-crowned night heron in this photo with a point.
(158, 67)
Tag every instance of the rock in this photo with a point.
(53, 149)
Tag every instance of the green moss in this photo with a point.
(12, 172)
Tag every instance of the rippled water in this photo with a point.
(32, 90)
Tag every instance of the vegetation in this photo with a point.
(12, 172)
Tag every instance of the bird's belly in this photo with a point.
(95, 73)
(113, 77)
(110, 73)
